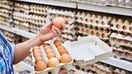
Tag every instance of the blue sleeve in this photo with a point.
(13, 47)
(10, 46)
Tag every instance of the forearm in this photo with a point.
(22, 50)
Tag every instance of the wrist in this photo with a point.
(36, 40)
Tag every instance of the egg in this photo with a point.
(65, 58)
(48, 51)
(36, 50)
(57, 22)
(37, 54)
(117, 26)
(39, 58)
(57, 43)
(40, 65)
(50, 55)
(63, 51)
(46, 44)
(130, 29)
(36, 47)
(52, 62)
(47, 47)
(60, 47)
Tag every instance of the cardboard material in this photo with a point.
(85, 50)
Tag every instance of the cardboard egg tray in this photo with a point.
(120, 39)
(127, 28)
(86, 50)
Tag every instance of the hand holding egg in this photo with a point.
(50, 31)
(59, 22)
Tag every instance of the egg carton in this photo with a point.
(86, 50)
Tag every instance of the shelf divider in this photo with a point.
(53, 2)
(106, 9)
(126, 65)
(17, 31)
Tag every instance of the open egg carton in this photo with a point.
(85, 50)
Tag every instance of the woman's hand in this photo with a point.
(48, 32)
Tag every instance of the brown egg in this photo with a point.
(124, 28)
(57, 22)
(50, 55)
(36, 50)
(48, 51)
(46, 44)
(52, 62)
(47, 47)
(117, 26)
(36, 47)
(60, 47)
(57, 43)
(92, 32)
(98, 34)
(65, 58)
(37, 54)
(39, 58)
(130, 29)
(40, 65)
(63, 51)
(126, 41)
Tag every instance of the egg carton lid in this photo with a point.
(89, 49)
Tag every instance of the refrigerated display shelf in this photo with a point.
(55, 3)
(17, 31)
(126, 65)
(105, 9)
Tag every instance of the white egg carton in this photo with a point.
(88, 50)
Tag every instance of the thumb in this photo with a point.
(46, 28)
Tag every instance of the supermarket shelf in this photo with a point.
(51, 2)
(119, 63)
(105, 9)
(17, 31)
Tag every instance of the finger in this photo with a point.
(56, 29)
(48, 36)
(50, 25)
(45, 29)
(63, 26)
